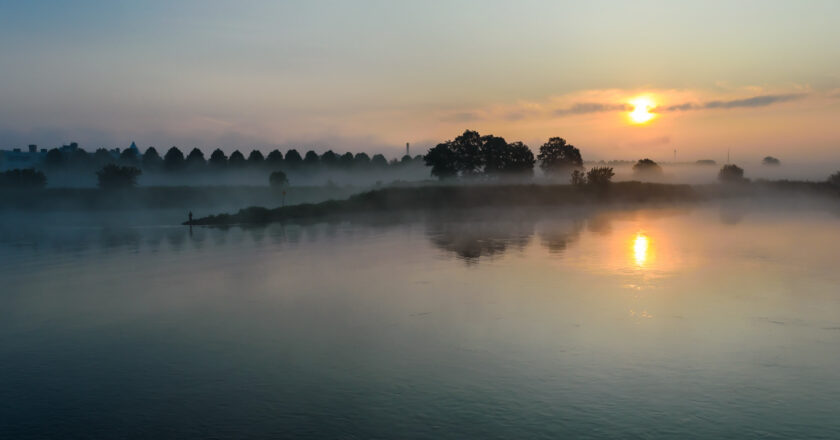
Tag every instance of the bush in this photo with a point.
(834, 179)
(27, 178)
(771, 161)
(731, 174)
(599, 176)
(647, 167)
(578, 178)
(114, 177)
(278, 179)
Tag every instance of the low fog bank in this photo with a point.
(691, 173)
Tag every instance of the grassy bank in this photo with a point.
(461, 197)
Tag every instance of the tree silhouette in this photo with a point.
(442, 160)
(274, 158)
(129, 157)
(361, 160)
(518, 160)
(293, 158)
(834, 179)
(173, 160)
(102, 157)
(195, 159)
(218, 159)
(54, 158)
(236, 159)
(278, 179)
(378, 161)
(578, 178)
(115, 177)
(311, 159)
(731, 174)
(27, 178)
(256, 158)
(558, 157)
(469, 160)
(151, 158)
(771, 161)
(647, 167)
(599, 176)
(345, 161)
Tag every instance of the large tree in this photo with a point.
(151, 159)
(173, 159)
(558, 157)
(218, 159)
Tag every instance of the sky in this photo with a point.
(753, 77)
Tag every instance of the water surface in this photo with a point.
(704, 322)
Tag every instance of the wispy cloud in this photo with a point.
(755, 101)
(581, 108)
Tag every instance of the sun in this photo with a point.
(641, 112)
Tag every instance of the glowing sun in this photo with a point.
(641, 112)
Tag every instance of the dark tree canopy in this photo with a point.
(275, 157)
(102, 156)
(54, 157)
(293, 158)
(196, 158)
(329, 158)
(442, 160)
(218, 158)
(345, 160)
(27, 178)
(731, 174)
(706, 162)
(129, 156)
(236, 159)
(115, 177)
(174, 159)
(771, 161)
(834, 179)
(379, 161)
(255, 157)
(471, 154)
(278, 179)
(599, 176)
(519, 159)
(558, 157)
(361, 160)
(647, 166)
(311, 159)
(151, 158)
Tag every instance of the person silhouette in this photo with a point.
(190, 217)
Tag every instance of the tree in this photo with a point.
(346, 160)
(102, 157)
(54, 158)
(731, 174)
(379, 161)
(329, 158)
(116, 177)
(278, 179)
(647, 167)
(293, 158)
(771, 161)
(218, 159)
(361, 160)
(558, 157)
(129, 156)
(256, 158)
(518, 160)
(311, 159)
(578, 178)
(442, 160)
(237, 159)
(274, 158)
(173, 160)
(196, 159)
(599, 176)
(706, 162)
(151, 158)
(469, 160)
(79, 158)
(834, 179)
(27, 178)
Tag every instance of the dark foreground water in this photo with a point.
(661, 323)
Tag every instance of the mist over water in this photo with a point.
(702, 321)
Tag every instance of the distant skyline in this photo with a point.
(759, 77)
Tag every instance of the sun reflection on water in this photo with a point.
(640, 249)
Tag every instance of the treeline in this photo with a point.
(174, 160)
(472, 155)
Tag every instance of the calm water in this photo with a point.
(706, 322)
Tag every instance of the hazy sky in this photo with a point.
(760, 77)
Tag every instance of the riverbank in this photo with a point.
(454, 197)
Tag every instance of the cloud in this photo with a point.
(755, 101)
(462, 117)
(581, 108)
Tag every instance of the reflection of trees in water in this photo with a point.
(471, 239)
(557, 235)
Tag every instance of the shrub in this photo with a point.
(731, 174)
(278, 179)
(114, 177)
(27, 178)
(599, 176)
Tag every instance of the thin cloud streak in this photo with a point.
(755, 101)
